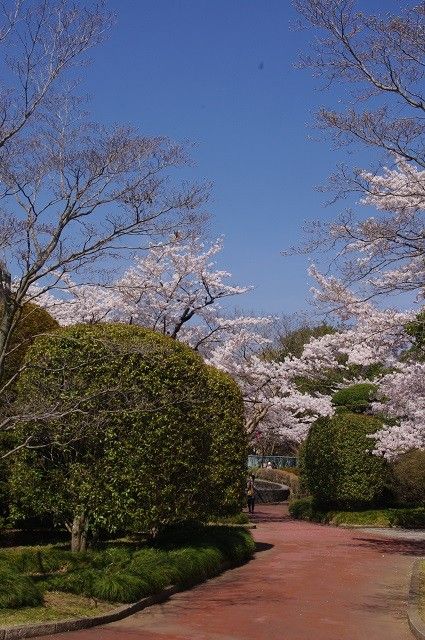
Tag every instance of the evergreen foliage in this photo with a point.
(356, 398)
(139, 437)
(409, 477)
(339, 467)
(229, 445)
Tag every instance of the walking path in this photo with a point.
(307, 582)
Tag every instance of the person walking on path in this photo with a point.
(250, 493)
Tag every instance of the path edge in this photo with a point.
(416, 623)
(76, 624)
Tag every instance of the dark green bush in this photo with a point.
(409, 478)
(409, 518)
(143, 430)
(302, 508)
(339, 468)
(17, 590)
(32, 322)
(228, 445)
(356, 398)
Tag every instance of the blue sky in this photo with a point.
(220, 74)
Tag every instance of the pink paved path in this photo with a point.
(307, 582)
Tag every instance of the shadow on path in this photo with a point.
(263, 516)
(400, 546)
(263, 546)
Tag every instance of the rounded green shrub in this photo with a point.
(131, 445)
(339, 468)
(301, 508)
(33, 321)
(409, 477)
(356, 398)
(228, 453)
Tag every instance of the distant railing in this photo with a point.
(277, 462)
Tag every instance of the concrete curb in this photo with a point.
(76, 624)
(416, 622)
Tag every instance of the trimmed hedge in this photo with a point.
(409, 478)
(32, 322)
(229, 445)
(356, 398)
(339, 469)
(306, 509)
(143, 437)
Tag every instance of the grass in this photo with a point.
(369, 518)
(49, 582)
(56, 606)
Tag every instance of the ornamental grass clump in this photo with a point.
(17, 590)
(154, 566)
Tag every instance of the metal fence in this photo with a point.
(277, 462)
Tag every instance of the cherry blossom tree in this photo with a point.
(176, 288)
(379, 62)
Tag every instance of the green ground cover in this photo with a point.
(49, 582)
(422, 596)
(407, 518)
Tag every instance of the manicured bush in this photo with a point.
(227, 458)
(305, 509)
(32, 322)
(138, 457)
(409, 518)
(356, 398)
(195, 565)
(112, 585)
(409, 477)
(302, 508)
(153, 565)
(339, 468)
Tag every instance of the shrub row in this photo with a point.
(307, 509)
(120, 573)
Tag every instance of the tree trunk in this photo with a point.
(79, 533)
(6, 324)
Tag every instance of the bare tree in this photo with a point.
(380, 63)
(72, 194)
(39, 41)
